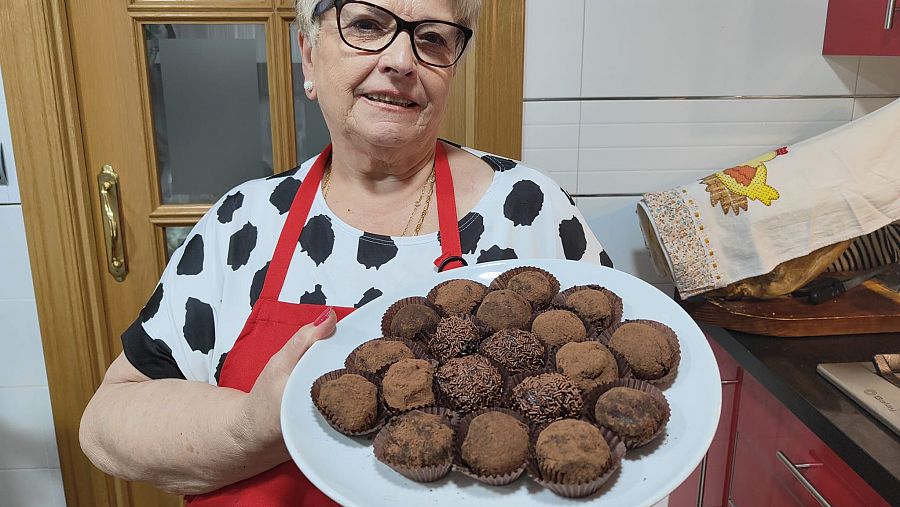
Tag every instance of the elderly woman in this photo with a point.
(192, 405)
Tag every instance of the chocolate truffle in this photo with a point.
(588, 364)
(407, 384)
(558, 327)
(572, 452)
(547, 397)
(454, 335)
(471, 382)
(413, 319)
(593, 305)
(496, 444)
(350, 401)
(503, 309)
(645, 348)
(517, 351)
(458, 296)
(630, 413)
(376, 354)
(416, 439)
(533, 286)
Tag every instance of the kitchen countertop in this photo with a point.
(787, 368)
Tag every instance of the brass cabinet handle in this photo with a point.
(889, 16)
(108, 182)
(795, 471)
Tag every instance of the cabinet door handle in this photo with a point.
(889, 16)
(795, 471)
(108, 182)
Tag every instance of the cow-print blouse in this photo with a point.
(212, 281)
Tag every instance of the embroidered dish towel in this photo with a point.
(745, 220)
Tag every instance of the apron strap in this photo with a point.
(451, 256)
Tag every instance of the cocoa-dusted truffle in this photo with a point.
(350, 401)
(572, 452)
(471, 382)
(407, 384)
(645, 348)
(416, 439)
(588, 364)
(630, 413)
(517, 351)
(502, 309)
(593, 305)
(454, 335)
(458, 296)
(547, 397)
(412, 320)
(376, 354)
(558, 327)
(532, 285)
(496, 444)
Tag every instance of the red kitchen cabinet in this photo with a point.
(857, 27)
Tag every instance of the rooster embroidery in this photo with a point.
(732, 187)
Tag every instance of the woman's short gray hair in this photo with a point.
(465, 11)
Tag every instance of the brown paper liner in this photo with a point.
(615, 303)
(394, 308)
(501, 281)
(549, 481)
(419, 350)
(590, 331)
(506, 371)
(420, 474)
(462, 430)
(393, 412)
(670, 335)
(445, 400)
(515, 380)
(591, 397)
(483, 330)
(381, 414)
(432, 294)
(624, 371)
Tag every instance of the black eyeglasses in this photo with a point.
(371, 28)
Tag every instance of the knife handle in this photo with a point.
(826, 293)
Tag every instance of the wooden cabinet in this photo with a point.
(857, 27)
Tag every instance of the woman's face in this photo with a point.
(387, 99)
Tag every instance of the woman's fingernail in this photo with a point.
(322, 318)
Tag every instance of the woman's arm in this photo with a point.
(190, 437)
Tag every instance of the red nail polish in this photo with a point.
(322, 318)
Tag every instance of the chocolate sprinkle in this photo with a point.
(471, 382)
(547, 397)
(454, 336)
(517, 351)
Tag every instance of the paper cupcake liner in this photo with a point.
(381, 414)
(432, 295)
(670, 335)
(552, 482)
(462, 430)
(393, 412)
(514, 371)
(614, 299)
(419, 350)
(589, 329)
(420, 474)
(481, 327)
(590, 402)
(394, 308)
(622, 368)
(509, 401)
(502, 280)
(446, 400)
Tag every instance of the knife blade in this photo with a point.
(837, 287)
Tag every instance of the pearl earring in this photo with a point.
(308, 85)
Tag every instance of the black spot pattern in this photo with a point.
(231, 204)
(605, 260)
(219, 366)
(495, 253)
(240, 245)
(571, 233)
(151, 357)
(199, 325)
(191, 262)
(289, 172)
(316, 297)
(471, 227)
(499, 164)
(368, 297)
(317, 238)
(569, 197)
(524, 203)
(284, 193)
(375, 250)
(152, 306)
(256, 286)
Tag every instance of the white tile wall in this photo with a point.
(32, 488)
(553, 44)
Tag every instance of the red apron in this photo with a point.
(273, 322)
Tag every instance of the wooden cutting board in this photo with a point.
(867, 308)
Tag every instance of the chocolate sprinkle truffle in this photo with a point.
(572, 452)
(407, 384)
(496, 444)
(376, 354)
(471, 382)
(547, 397)
(592, 305)
(503, 309)
(417, 439)
(454, 336)
(645, 349)
(630, 413)
(533, 286)
(413, 319)
(459, 296)
(588, 364)
(517, 351)
(558, 327)
(350, 401)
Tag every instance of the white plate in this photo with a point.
(345, 468)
